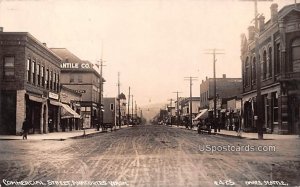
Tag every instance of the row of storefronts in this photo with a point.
(34, 86)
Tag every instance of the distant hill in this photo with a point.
(151, 110)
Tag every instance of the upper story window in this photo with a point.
(277, 59)
(79, 78)
(254, 70)
(71, 78)
(47, 79)
(43, 76)
(33, 72)
(247, 72)
(9, 67)
(51, 80)
(264, 65)
(296, 55)
(270, 60)
(28, 68)
(111, 106)
(38, 73)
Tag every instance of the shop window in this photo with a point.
(9, 67)
(275, 106)
(296, 55)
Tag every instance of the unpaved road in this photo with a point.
(148, 156)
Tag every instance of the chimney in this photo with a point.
(224, 76)
(45, 44)
(1, 29)
(206, 78)
(251, 33)
(274, 12)
(261, 23)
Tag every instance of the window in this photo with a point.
(9, 67)
(254, 70)
(33, 72)
(270, 62)
(111, 106)
(43, 76)
(38, 72)
(51, 80)
(58, 82)
(47, 79)
(55, 87)
(296, 55)
(79, 78)
(28, 68)
(264, 66)
(277, 60)
(247, 72)
(275, 106)
(71, 78)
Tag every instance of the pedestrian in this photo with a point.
(25, 128)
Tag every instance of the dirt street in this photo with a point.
(149, 156)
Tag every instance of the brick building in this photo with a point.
(29, 84)
(80, 76)
(279, 61)
(225, 88)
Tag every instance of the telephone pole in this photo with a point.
(191, 79)
(128, 113)
(259, 107)
(100, 121)
(177, 112)
(171, 101)
(132, 107)
(119, 111)
(214, 53)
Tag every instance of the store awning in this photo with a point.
(68, 112)
(202, 114)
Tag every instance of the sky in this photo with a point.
(154, 44)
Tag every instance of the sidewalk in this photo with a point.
(247, 135)
(57, 135)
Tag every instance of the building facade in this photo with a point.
(29, 84)
(81, 76)
(279, 63)
(225, 88)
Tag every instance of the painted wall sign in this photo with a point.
(75, 65)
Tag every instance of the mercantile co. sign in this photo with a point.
(75, 65)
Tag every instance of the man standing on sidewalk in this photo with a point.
(25, 128)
